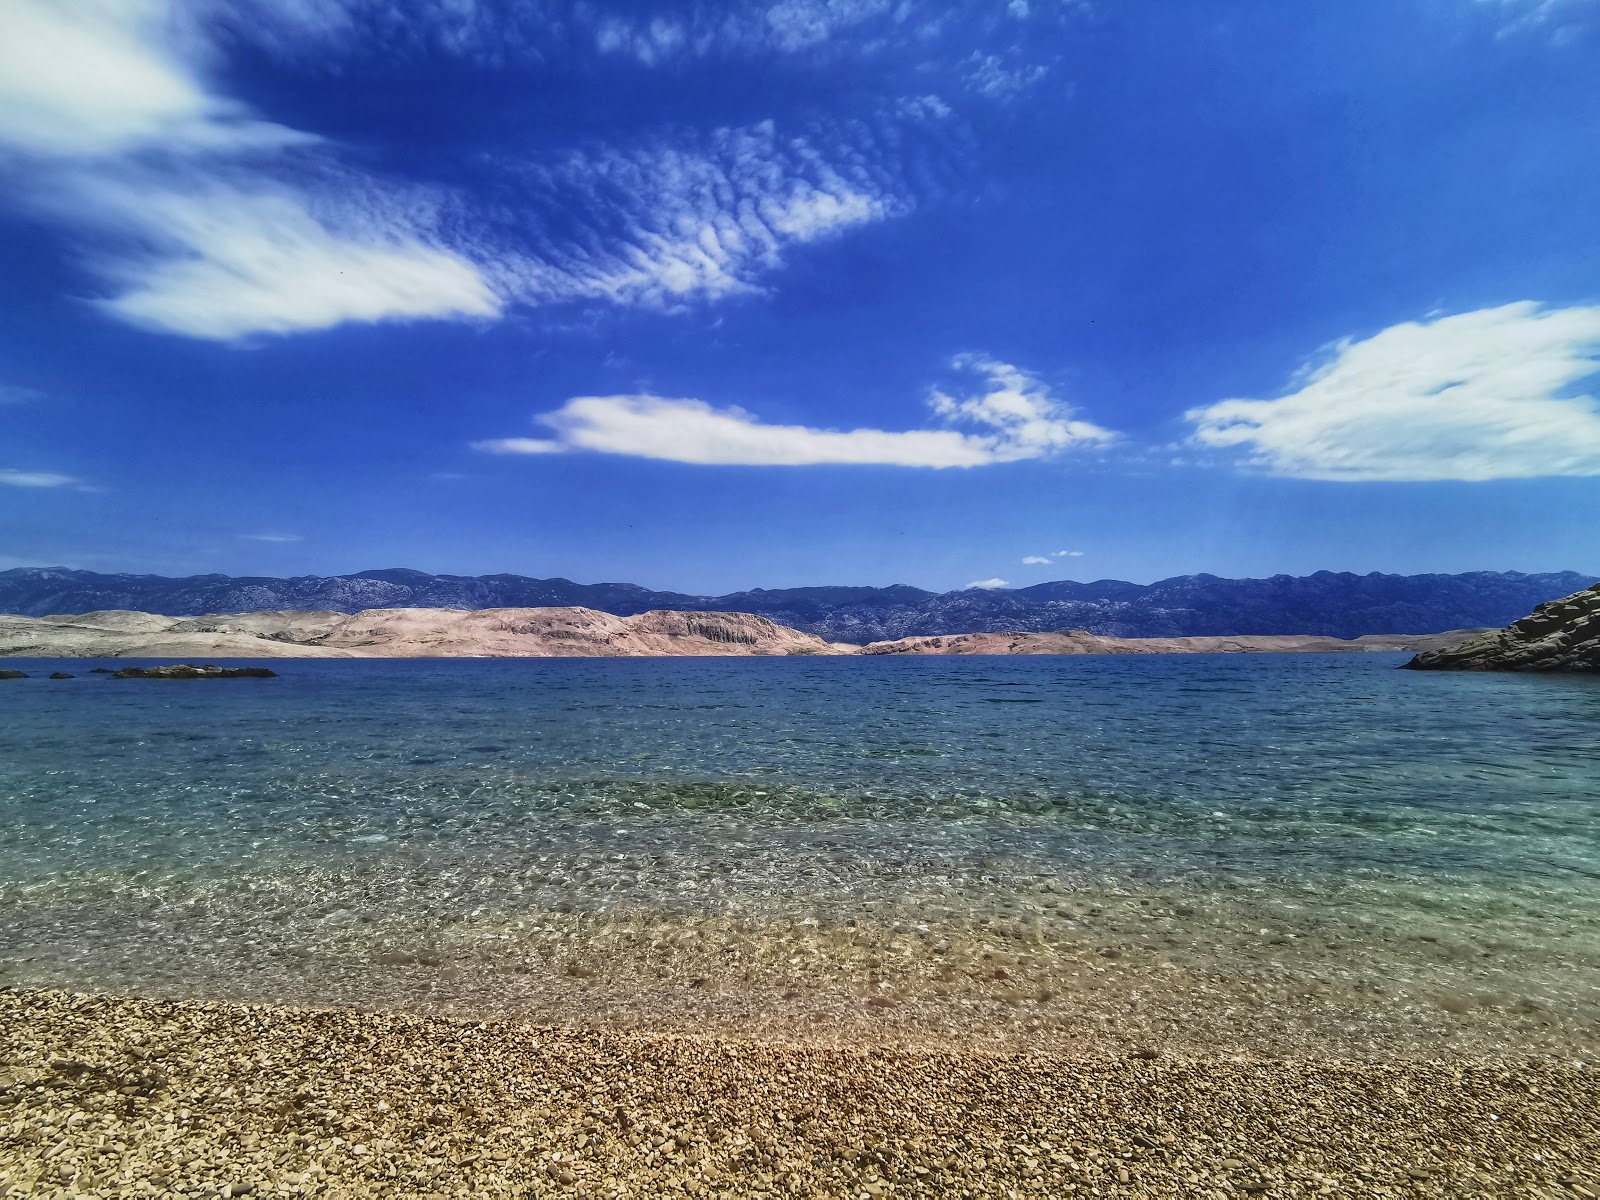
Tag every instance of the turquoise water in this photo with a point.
(597, 839)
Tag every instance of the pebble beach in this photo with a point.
(109, 1097)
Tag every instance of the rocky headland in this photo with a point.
(1563, 635)
(569, 633)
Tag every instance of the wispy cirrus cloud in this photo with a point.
(687, 215)
(206, 220)
(209, 255)
(1560, 21)
(1009, 417)
(669, 31)
(277, 538)
(1488, 394)
(12, 477)
(185, 200)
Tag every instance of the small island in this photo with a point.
(191, 671)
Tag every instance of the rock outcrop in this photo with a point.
(1563, 635)
(1326, 604)
(190, 671)
(1078, 641)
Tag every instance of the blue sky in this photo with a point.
(712, 296)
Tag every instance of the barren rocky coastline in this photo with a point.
(1563, 635)
(569, 633)
(405, 633)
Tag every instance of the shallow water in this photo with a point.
(1263, 853)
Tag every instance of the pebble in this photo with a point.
(454, 1109)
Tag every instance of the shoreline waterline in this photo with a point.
(1177, 855)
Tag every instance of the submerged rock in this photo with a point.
(190, 671)
(13, 674)
(60, 675)
(1563, 635)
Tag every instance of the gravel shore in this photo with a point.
(120, 1097)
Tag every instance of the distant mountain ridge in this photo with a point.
(1332, 604)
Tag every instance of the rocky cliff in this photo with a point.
(1563, 635)
(404, 633)
(1325, 604)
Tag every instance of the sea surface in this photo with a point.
(1254, 853)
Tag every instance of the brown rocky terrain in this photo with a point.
(569, 633)
(1078, 641)
(404, 633)
(1563, 635)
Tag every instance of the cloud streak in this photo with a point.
(1489, 394)
(1011, 417)
(11, 477)
(185, 194)
(224, 260)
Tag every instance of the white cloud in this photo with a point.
(10, 477)
(993, 76)
(1030, 421)
(988, 584)
(271, 537)
(783, 27)
(208, 220)
(1045, 560)
(1017, 418)
(217, 261)
(1488, 394)
(92, 77)
(688, 215)
(204, 239)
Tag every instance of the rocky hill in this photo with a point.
(567, 633)
(1326, 604)
(1563, 635)
(404, 633)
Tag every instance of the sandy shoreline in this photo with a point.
(122, 1097)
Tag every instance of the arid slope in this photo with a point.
(404, 633)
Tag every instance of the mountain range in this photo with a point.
(1332, 604)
